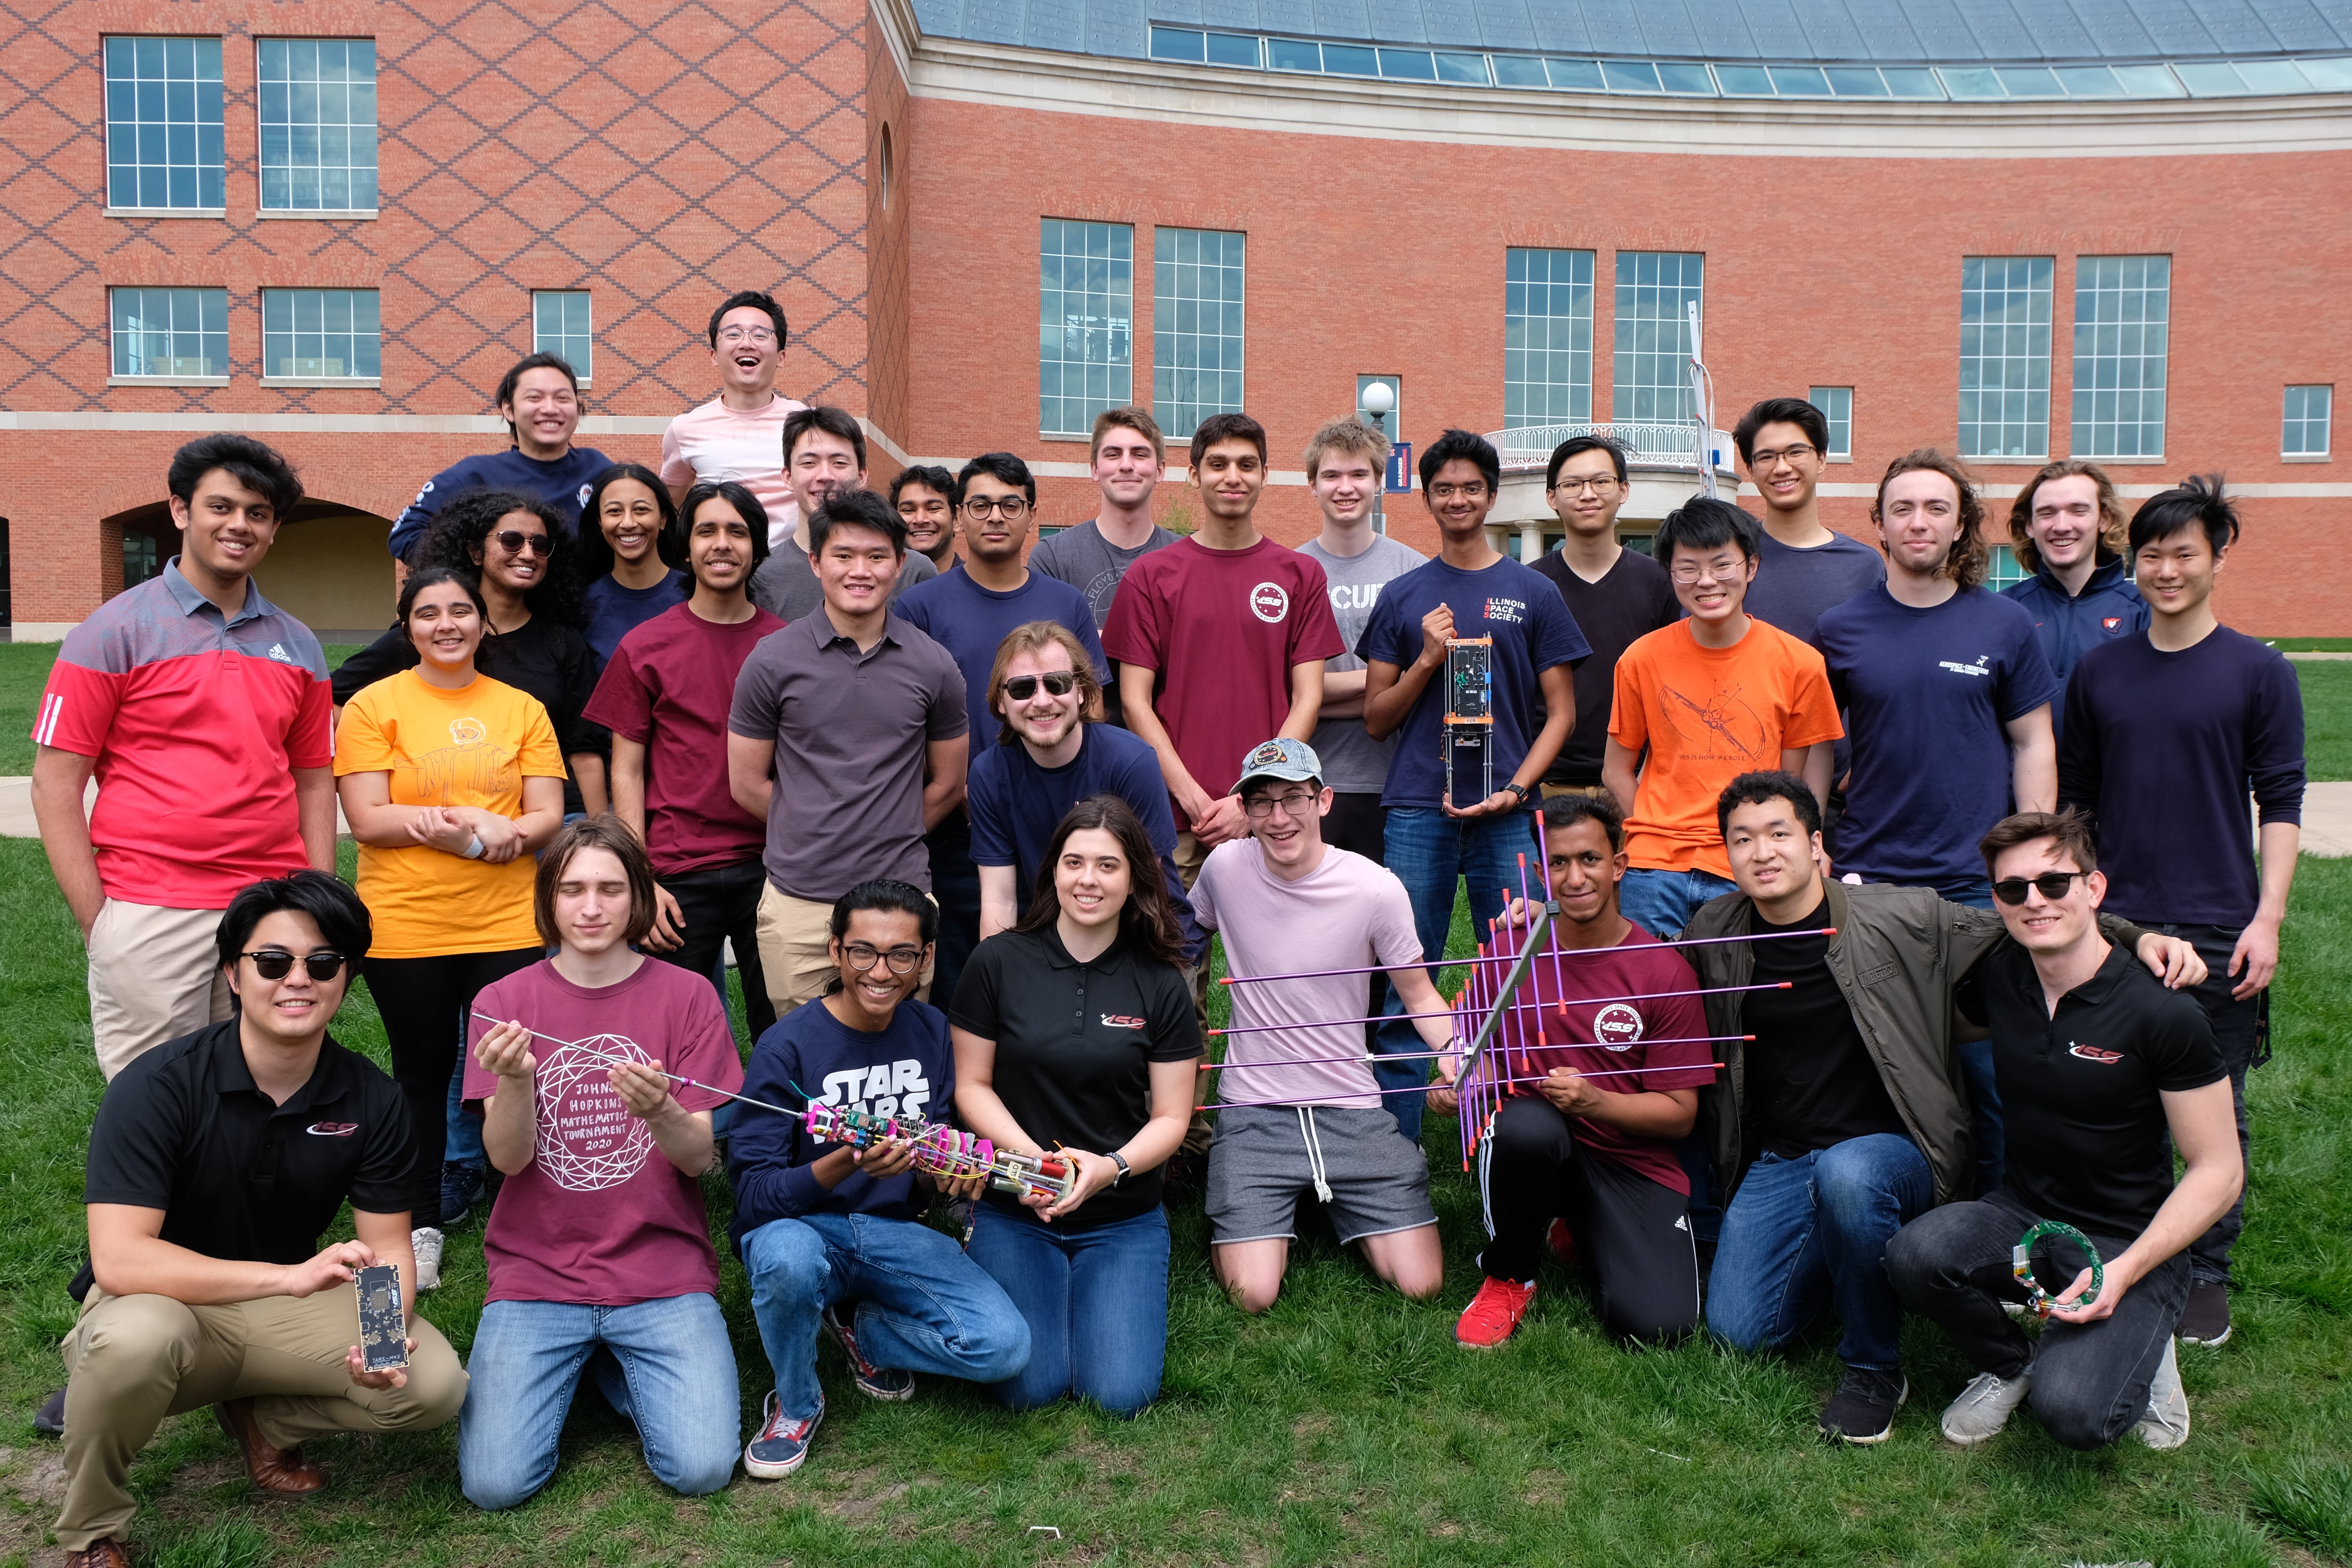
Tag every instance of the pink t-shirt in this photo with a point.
(601, 1216)
(1223, 628)
(1603, 1032)
(1347, 912)
(713, 442)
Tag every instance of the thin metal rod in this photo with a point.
(1371, 1057)
(1497, 958)
(1516, 1007)
(1508, 987)
(1429, 1087)
(624, 1061)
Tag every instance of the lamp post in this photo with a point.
(1377, 399)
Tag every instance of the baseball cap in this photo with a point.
(1280, 759)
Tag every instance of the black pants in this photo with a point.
(2236, 1024)
(1358, 822)
(1632, 1236)
(718, 904)
(1951, 1266)
(424, 1003)
(955, 888)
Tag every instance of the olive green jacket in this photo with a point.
(1897, 956)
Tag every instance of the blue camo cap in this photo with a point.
(1291, 760)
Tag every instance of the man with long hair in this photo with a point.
(2068, 530)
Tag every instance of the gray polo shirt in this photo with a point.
(850, 730)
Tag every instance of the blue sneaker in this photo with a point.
(461, 1186)
(782, 1443)
(874, 1382)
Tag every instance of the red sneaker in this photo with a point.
(1563, 1243)
(1493, 1313)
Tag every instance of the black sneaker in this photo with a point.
(2206, 1320)
(1862, 1409)
(461, 1184)
(875, 1382)
(50, 1420)
(781, 1445)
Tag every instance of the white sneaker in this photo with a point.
(1982, 1409)
(426, 1242)
(2165, 1425)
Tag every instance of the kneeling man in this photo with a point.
(1288, 902)
(217, 1160)
(2097, 1063)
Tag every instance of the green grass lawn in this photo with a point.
(1343, 1425)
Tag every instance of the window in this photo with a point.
(171, 334)
(139, 562)
(164, 125)
(1086, 352)
(320, 335)
(1836, 403)
(1196, 326)
(559, 325)
(2005, 356)
(317, 125)
(2303, 433)
(1653, 334)
(2003, 569)
(1547, 337)
(2122, 307)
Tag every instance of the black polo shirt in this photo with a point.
(1073, 1047)
(183, 1129)
(2087, 1139)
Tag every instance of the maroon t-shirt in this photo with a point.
(600, 1216)
(1224, 629)
(1603, 1034)
(668, 687)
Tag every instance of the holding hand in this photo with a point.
(887, 1158)
(1569, 1093)
(1095, 1172)
(338, 1265)
(390, 1377)
(2111, 1294)
(1501, 801)
(438, 827)
(1446, 1100)
(1220, 820)
(1437, 631)
(642, 1087)
(506, 1051)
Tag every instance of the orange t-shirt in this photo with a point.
(1708, 715)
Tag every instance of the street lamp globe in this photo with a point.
(1379, 398)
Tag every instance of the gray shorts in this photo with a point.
(1260, 1163)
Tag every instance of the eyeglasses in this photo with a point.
(1474, 491)
(276, 964)
(1689, 572)
(747, 335)
(1599, 486)
(514, 541)
(1795, 452)
(1060, 682)
(1006, 507)
(1296, 802)
(902, 959)
(2053, 886)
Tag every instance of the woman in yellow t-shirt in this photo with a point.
(450, 781)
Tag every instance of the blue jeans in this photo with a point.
(921, 1304)
(465, 1126)
(1662, 902)
(1812, 1231)
(1096, 1301)
(666, 1365)
(1429, 852)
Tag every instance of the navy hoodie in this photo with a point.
(909, 1068)
(562, 484)
(2109, 607)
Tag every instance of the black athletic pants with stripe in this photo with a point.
(1632, 1234)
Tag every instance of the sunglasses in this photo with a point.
(273, 963)
(514, 541)
(2054, 885)
(1060, 682)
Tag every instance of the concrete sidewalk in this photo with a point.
(2326, 816)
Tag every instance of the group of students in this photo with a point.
(622, 728)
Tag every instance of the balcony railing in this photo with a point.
(1647, 445)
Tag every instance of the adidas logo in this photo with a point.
(1681, 1223)
(278, 652)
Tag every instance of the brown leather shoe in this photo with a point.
(106, 1554)
(280, 1472)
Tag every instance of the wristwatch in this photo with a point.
(1124, 1170)
(1522, 791)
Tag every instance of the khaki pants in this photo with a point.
(795, 949)
(1589, 792)
(131, 1361)
(154, 975)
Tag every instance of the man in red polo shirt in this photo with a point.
(203, 709)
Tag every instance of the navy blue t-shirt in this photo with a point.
(613, 611)
(1533, 631)
(1926, 694)
(970, 621)
(906, 1069)
(1014, 806)
(562, 484)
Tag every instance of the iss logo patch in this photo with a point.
(2099, 1053)
(1617, 1026)
(1270, 602)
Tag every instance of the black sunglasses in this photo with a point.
(1060, 682)
(514, 541)
(2054, 885)
(272, 963)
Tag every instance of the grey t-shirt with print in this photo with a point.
(1092, 564)
(1353, 763)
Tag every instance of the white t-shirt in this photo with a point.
(713, 442)
(1347, 912)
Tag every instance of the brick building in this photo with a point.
(2110, 231)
